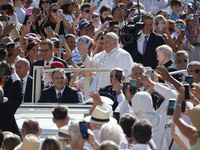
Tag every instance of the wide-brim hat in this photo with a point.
(31, 142)
(63, 133)
(8, 41)
(103, 98)
(100, 115)
(195, 117)
(64, 2)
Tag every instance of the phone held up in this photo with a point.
(83, 129)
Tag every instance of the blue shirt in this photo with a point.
(174, 16)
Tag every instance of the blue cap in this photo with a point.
(54, 39)
(85, 24)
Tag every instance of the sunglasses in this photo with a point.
(196, 71)
(87, 11)
(9, 12)
(43, 2)
(181, 26)
(10, 46)
(54, 10)
(95, 16)
(181, 61)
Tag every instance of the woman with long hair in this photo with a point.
(68, 7)
(31, 52)
(53, 23)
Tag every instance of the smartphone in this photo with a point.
(49, 29)
(133, 86)
(10, 20)
(111, 23)
(160, 25)
(57, 44)
(17, 44)
(60, 12)
(150, 72)
(61, 38)
(3, 18)
(189, 80)
(83, 129)
(36, 11)
(118, 75)
(183, 106)
(187, 91)
(171, 106)
(183, 32)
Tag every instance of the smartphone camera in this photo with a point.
(83, 129)
(133, 86)
(187, 91)
(171, 106)
(118, 75)
(189, 80)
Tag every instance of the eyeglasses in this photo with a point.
(181, 61)
(9, 12)
(10, 46)
(44, 51)
(181, 26)
(87, 11)
(54, 10)
(196, 71)
(95, 16)
(43, 2)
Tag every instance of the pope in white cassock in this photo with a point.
(113, 56)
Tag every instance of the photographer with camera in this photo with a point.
(142, 49)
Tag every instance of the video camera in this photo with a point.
(131, 29)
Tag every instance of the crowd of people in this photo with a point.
(148, 100)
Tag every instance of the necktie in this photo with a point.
(47, 63)
(145, 43)
(59, 95)
(22, 83)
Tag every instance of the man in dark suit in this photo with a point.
(164, 57)
(60, 92)
(9, 106)
(143, 49)
(22, 67)
(48, 57)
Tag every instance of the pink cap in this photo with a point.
(29, 11)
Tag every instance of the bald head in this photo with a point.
(31, 126)
(108, 145)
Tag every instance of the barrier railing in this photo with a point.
(39, 71)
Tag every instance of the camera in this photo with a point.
(130, 31)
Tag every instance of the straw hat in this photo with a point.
(31, 142)
(103, 98)
(195, 117)
(63, 133)
(64, 2)
(100, 115)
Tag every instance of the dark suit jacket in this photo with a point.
(69, 96)
(9, 89)
(149, 58)
(28, 91)
(8, 109)
(171, 66)
(41, 63)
